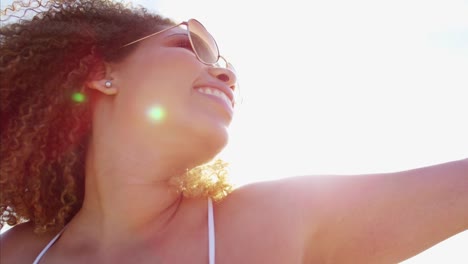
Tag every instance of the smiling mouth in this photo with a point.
(216, 93)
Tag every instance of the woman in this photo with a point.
(109, 114)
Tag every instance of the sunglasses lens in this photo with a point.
(203, 43)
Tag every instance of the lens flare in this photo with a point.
(156, 114)
(78, 97)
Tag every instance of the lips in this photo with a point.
(224, 93)
(215, 92)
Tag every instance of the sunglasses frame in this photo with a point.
(187, 23)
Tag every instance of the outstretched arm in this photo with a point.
(381, 218)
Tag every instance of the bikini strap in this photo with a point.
(211, 233)
(211, 237)
(39, 257)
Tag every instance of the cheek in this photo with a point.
(157, 102)
(156, 92)
(152, 110)
(159, 81)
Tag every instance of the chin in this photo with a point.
(216, 140)
(203, 134)
(211, 142)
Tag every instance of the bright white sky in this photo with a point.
(342, 87)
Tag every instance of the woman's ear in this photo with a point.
(101, 79)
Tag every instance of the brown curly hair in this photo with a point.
(45, 112)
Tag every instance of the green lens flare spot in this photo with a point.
(156, 114)
(78, 97)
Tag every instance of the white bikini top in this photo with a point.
(211, 238)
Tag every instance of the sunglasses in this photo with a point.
(202, 43)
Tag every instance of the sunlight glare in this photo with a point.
(156, 113)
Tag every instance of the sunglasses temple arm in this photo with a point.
(154, 34)
(228, 64)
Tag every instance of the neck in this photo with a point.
(123, 201)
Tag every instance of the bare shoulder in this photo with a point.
(268, 217)
(283, 200)
(21, 245)
(286, 196)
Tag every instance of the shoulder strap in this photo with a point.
(211, 233)
(211, 237)
(39, 257)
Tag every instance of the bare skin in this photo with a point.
(132, 215)
(339, 219)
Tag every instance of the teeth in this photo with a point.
(215, 92)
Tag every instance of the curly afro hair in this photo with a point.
(45, 112)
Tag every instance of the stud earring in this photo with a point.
(108, 84)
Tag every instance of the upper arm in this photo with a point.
(382, 218)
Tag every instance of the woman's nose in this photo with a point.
(225, 75)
